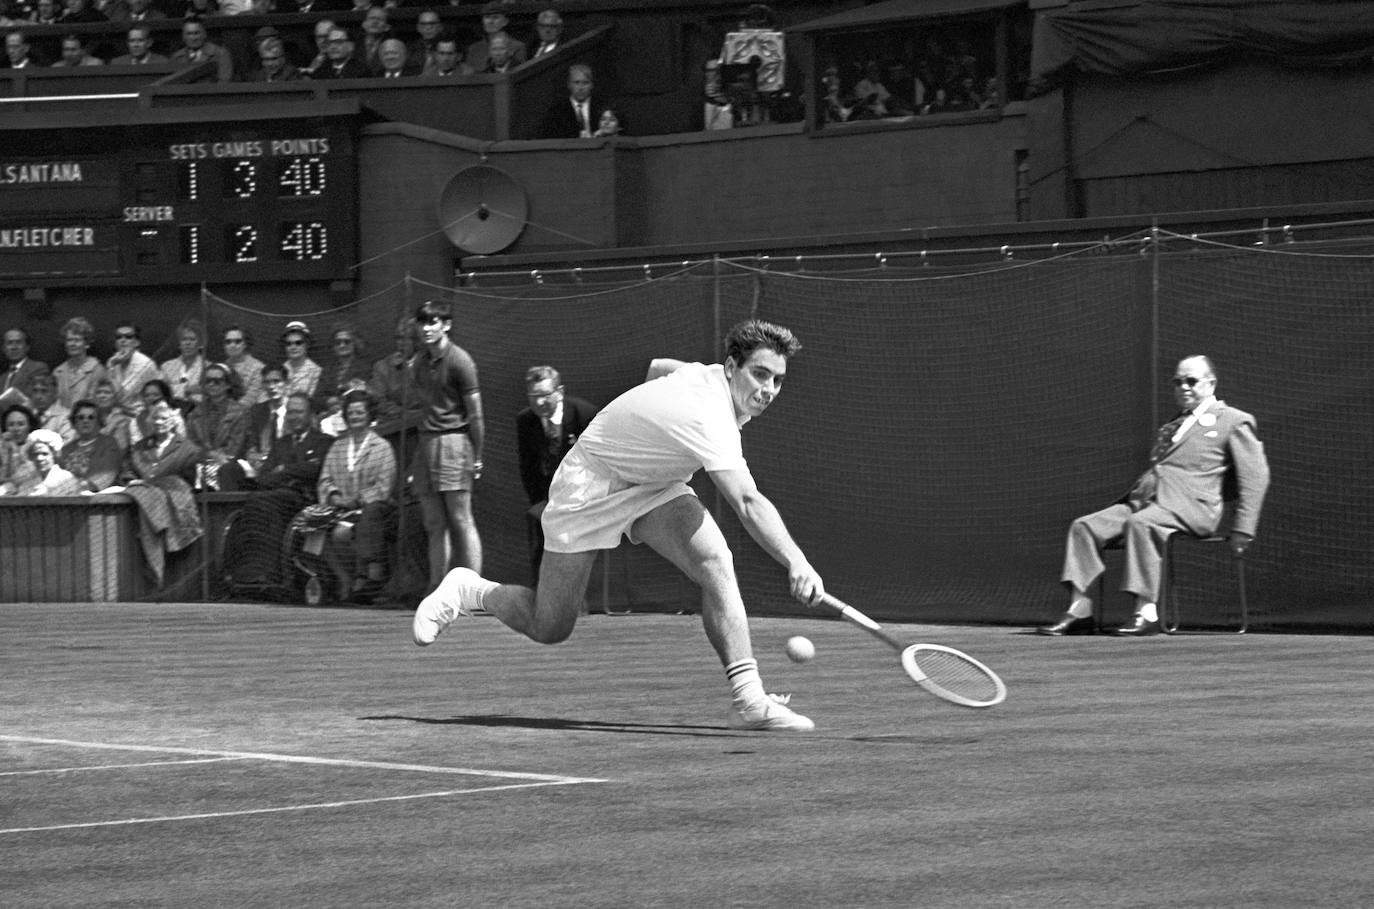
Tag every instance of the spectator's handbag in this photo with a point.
(313, 523)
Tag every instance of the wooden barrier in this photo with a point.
(69, 550)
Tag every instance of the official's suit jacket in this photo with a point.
(22, 378)
(262, 426)
(538, 459)
(353, 68)
(296, 463)
(561, 123)
(224, 62)
(1219, 459)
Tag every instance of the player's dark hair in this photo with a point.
(431, 309)
(750, 335)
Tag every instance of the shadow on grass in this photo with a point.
(505, 721)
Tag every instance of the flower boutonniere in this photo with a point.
(1207, 419)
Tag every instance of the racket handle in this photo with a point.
(863, 621)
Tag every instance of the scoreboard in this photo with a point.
(180, 202)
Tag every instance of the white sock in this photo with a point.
(453, 585)
(746, 685)
(1081, 608)
(1149, 612)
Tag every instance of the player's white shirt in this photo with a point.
(668, 429)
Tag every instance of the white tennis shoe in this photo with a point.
(459, 593)
(770, 715)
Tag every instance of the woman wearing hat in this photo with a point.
(302, 373)
(47, 479)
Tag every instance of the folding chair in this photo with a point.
(1169, 609)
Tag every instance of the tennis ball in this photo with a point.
(800, 650)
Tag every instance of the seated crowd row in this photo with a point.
(295, 431)
(377, 51)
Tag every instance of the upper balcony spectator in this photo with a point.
(79, 12)
(340, 62)
(448, 59)
(134, 11)
(197, 48)
(393, 62)
(75, 53)
(18, 54)
(494, 22)
(272, 64)
(430, 29)
(376, 29)
(140, 43)
(579, 114)
(549, 28)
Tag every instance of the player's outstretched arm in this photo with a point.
(765, 525)
(662, 366)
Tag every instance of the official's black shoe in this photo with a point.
(1069, 624)
(1139, 627)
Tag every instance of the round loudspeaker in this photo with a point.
(482, 210)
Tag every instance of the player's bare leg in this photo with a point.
(546, 616)
(684, 533)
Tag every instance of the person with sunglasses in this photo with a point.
(129, 369)
(237, 344)
(1181, 491)
(302, 373)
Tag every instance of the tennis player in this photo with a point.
(627, 475)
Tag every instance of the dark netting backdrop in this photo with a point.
(942, 427)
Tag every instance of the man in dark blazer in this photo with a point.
(1207, 446)
(286, 484)
(16, 382)
(577, 115)
(340, 63)
(545, 431)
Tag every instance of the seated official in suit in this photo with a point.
(1181, 492)
(545, 431)
(579, 114)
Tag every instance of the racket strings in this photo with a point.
(958, 675)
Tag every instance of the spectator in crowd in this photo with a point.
(158, 470)
(430, 28)
(285, 485)
(153, 392)
(114, 422)
(448, 59)
(938, 104)
(272, 63)
(873, 100)
(47, 411)
(76, 376)
(549, 27)
(359, 474)
(392, 384)
(196, 8)
(302, 373)
(240, 7)
(92, 457)
(577, 115)
(47, 478)
(139, 40)
(716, 111)
(197, 49)
(376, 29)
(129, 368)
(134, 11)
(448, 454)
(20, 369)
(45, 12)
(499, 58)
(609, 125)
(75, 53)
(266, 421)
(17, 51)
(307, 7)
(79, 12)
(341, 63)
(349, 371)
(544, 432)
(183, 372)
(392, 62)
(321, 31)
(494, 22)
(238, 344)
(17, 422)
(219, 423)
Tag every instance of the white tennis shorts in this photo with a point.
(591, 508)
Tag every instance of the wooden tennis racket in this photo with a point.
(943, 671)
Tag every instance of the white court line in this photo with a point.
(302, 759)
(116, 766)
(279, 809)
